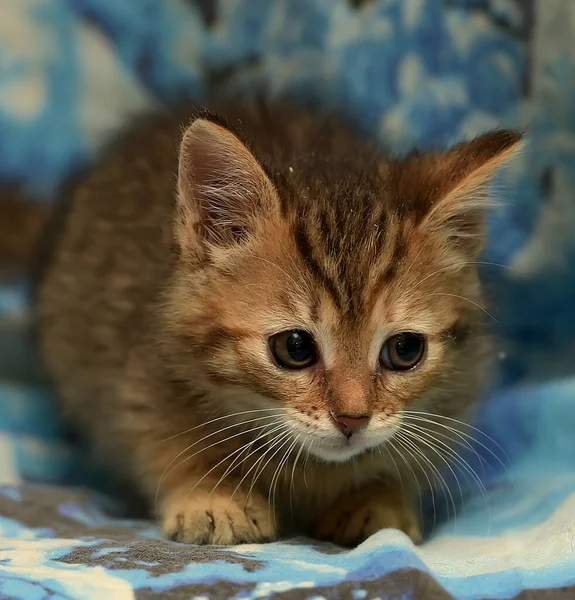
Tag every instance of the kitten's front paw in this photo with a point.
(202, 518)
(356, 516)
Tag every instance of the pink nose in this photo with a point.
(350, 425)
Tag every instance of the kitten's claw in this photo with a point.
(357, 516)
(216, 519)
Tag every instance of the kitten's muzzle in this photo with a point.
(349, 424)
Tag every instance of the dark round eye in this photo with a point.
(294, 349)
(403, 351)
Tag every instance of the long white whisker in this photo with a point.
(272, 444)
(213, 469)
(463, 464)
(233, 464)
(244, 412)
(285, 442)
(280, 444)
(307, 455)
(282, 431)
(417, 438)
(168, 470)
(276, 477)
(468, 300)
(415, 479)
(423, 416)
(282, 435)
(451, 452)
(452, 440)
(247, 447)
(216, 432)
(416, 430)
(406, 445)
(384, 447)
(286, 461)
(460, 264)
(291, 487)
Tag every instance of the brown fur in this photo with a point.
(21, 221)
(176, 263)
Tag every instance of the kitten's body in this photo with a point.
(153, 322)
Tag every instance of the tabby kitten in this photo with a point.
(243, 316)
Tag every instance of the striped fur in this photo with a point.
(176, 263)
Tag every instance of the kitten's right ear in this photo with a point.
(222, 189)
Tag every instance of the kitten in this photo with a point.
(249, 316)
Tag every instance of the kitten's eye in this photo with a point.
(294, 349)
(403, 351)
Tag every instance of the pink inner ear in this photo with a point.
(222, 184)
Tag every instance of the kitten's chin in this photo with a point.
(339, 449)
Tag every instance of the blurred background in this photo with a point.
(73, 73)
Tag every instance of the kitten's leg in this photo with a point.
(357, 515)
(216, 518)
(197, 503)
(191, 480)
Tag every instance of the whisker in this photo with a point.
(307, 455)
(384, 447)
(264, 286)
(418, 438)
(462, 442)
(284, 443)
(276, 477)
(426, 417)
(468, 300)
(169, 468)
(280, 269)
(461, 264)
(415, 479)
(403, 441)
(248, 447)
(233, 464)
(447, 448)
(244, 412)
(463, 464)
(291, 487)
(279, 445)
(282, 435)
(213, 469)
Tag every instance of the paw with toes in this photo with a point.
(204, 518)
(357, 516)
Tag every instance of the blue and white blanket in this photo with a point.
(72, 72)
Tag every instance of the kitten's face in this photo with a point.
(343, 372)
(336, 304)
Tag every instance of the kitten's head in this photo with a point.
(341, 286)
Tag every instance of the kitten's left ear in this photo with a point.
(461, 178)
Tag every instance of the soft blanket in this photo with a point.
(409, 71)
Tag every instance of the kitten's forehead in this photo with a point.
(364, 239)
(351, 250)
(353, 222)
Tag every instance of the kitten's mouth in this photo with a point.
(340, 448)
(326, 440)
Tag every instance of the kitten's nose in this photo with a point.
(349, 425)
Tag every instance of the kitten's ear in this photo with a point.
(461, 178)
(222, 189)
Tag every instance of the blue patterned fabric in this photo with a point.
(425, 72)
